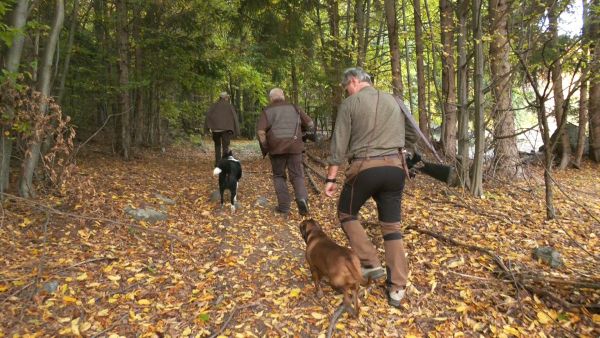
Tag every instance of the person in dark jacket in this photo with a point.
(370, 133)
(280, 128)
(222, 121)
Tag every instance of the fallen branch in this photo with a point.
(321, 176)
(506, 272)
(316, 159)
(91, 260)
(583, 284)
(497, 216)
(231, 314)
(312, 182)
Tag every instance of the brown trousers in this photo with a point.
(383, 180)
(222, 140)
(293, 164)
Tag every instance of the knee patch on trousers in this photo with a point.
(391, 231)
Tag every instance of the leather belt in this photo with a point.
(379, 157)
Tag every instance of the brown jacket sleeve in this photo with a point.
(306, 122)
(262, 128)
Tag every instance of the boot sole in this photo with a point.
(374, 275)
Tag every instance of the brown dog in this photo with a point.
(327, 259)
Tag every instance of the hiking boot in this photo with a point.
(372, 273)
(395, 297)
(281, 211)
(302, 207)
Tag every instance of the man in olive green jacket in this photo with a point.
(371, 132)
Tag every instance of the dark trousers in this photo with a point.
(293, 163)
(221, 139)
(385, 184)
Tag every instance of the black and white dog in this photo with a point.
(229, 170)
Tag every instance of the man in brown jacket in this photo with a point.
(280, 129)
(370, 132)
(222, 121)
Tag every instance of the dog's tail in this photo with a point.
(217, 171)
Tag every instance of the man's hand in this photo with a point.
(330, 189)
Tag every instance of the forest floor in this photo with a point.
(75, 263)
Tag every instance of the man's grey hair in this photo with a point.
(276, 94)
(357, 73)
(223, 95)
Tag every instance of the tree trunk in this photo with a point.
(295, 85)
(477, 182)
(583, 91)
(594, 94)
(557, 87)
(506, 154)
(367, 35)
(124, 138)
(407, 57)
(63, 75)
(548, 153)
(139, 111)
(32, 155)
(12, 59)
(463, 113)
(422, 98)
(448, 78)
(359, 15)
(431, 70)
(392, 26)
(337, 59)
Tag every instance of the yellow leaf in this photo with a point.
(462, 307)
(3, 287)
(340, 326)
(69, 299)
(102, 313)
(26, 222)
(83, 276)
(295, 292)
(144, 302)
(85, 326)
(317, 315)
(114, 278)
(543, 317)
(510, 330)
(456, 263)
(187, 331)
(596, 319)
(65, 331)
(75, 327)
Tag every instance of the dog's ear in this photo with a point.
(230, 153)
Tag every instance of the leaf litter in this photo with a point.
(75, 264)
